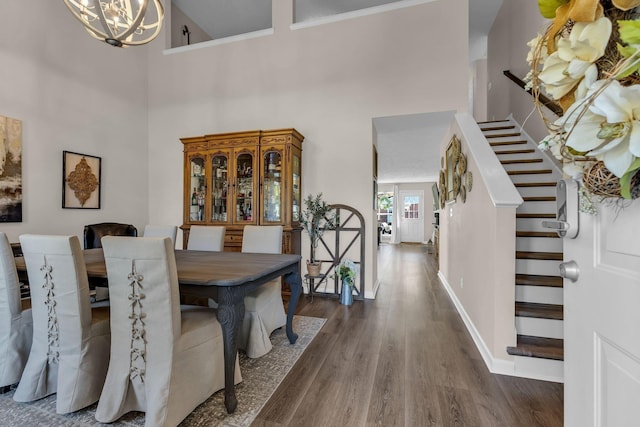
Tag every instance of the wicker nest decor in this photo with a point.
(587, 60)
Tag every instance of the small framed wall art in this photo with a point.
(80, 181)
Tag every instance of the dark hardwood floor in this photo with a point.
(403, 359)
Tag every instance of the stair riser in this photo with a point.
(536, 191)
(540, 369)
(541, 267)
(539, 294)
(537, 207)
(523, 166)
(538, 244)
(547, 177)
(531, 224)
(548, 328)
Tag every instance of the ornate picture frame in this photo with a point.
(81, 181)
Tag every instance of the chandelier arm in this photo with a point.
(134, 32)
(136, 23)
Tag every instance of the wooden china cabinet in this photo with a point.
(244, 178)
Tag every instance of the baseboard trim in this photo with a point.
(495, 365)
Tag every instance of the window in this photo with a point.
(411, 207)
(385, 208)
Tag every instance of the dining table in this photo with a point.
(226, 277)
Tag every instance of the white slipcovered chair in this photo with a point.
(264, 310)
(16, 325)
(206, 238)
(166, 359)
(169, 231)
(70, 351)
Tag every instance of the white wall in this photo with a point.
(77, 94)
(475, 239)
(327, 81)
(517, 22)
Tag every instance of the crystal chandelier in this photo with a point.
(120, 23)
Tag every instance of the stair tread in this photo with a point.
(545, 348)
(494, 121)
(538, 280)
(497, 128)
(539, 199)
(539, 311)
(551, 256)
(500, 143)
(535, 215)
(535, 184)
(521, 151)
(520, 161)
(503, 135)
(530, 172)
(545, 234)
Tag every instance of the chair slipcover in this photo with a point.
(165, 359)
(206, 238)
(169, 231)
(264, 310)
(70, 351)
(93, 233)
(16, 326)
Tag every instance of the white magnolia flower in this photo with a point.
(609, 129)
(564, 68)
(573, 170)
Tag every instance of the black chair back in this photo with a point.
(94, 232)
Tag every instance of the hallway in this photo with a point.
(403, 359)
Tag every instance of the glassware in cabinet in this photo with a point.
(272, 187)
(296, 188)
(198, 184)
(244, 188)
(219, 186)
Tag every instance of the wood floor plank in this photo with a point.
(403, 359)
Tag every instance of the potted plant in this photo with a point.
(316, 218)
(346, 272)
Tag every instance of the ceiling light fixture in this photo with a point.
(119, 23)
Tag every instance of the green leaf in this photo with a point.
(548, 7)
(627, 52)
(629, 31)
(625, 181)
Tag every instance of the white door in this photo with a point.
(602, 320)
(411, 216)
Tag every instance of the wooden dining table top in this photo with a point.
(203, 268)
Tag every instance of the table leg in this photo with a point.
(230, 315)
(295, 284)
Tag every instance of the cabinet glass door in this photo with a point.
(198, 186)
(244, 188)
(295, 215)
(272, 185)
(219, 187)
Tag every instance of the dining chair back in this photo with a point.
(93, 233)
(264, 309)
(169, 231)
(16, 325)
(206, 238)
(70, 350)
(166, 359)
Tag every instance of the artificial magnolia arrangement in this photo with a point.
(588, 61)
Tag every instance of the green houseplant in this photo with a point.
(346, 272)
(316, 218)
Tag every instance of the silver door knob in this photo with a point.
(570, 270)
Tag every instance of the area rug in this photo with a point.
(260, 376)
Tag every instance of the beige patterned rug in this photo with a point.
(260, 376)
